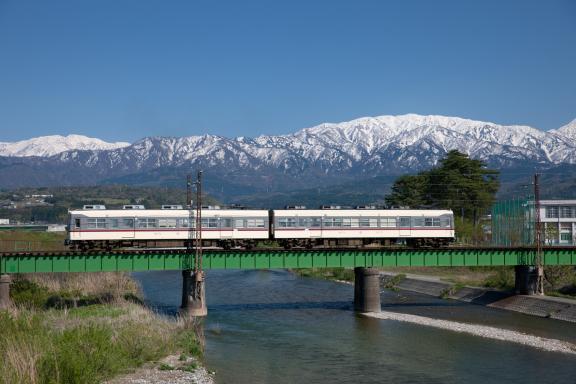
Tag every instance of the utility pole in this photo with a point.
(538, 237)
(193, 294)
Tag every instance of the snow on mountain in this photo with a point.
(568, 130)
(369, 146)
(52, 145)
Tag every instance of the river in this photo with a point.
(275, 327)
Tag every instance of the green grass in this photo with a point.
(87, 344)
(105, 310)
(394, 281)
(20, 240)
(343, 274)
(62, 347)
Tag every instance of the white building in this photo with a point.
(559, 221)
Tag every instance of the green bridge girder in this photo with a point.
(278, 259)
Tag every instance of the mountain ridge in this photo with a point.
(315, 156)
(46, 146)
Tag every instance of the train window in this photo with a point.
(432, 222)
(128, 223)
(369, 222)
(96, 223)
(239, 223)
(405, 222)
(446, 222)
(346, 222)
(255, 223)
(226, 223)
(210, 222)
(147, 223)
(333, 221)
(316, 222)
(184, 222)
(77, 223)
(419, 222)
(113, 223)
(284, 222)
(390, 222)
(167, 223)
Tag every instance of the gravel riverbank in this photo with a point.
(170, 370)
(551, 345)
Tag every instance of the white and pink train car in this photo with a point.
(227, 228)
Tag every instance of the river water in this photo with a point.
(276, 327)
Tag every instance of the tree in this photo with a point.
(465, 185)
(459, 183)
(408, 191)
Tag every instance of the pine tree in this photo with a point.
(459, 183)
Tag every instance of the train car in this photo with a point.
(130, 227)
(362, 227)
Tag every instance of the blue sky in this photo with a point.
(122, 70)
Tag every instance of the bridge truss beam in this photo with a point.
(279, 259)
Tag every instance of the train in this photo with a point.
(95, 227)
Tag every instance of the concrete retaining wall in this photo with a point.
(541, 306)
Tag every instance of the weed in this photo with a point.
(190, 367)
(392, 282)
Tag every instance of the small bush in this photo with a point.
(503, 278)
(392, 282)
(190, 367)
(188, 343)
(28, 294)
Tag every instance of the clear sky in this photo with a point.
(125, 69)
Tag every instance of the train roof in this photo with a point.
(363, 212)
(168, 213)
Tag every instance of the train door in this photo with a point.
(75, 224)
(129, 227)
(404, 226)
(225, 227)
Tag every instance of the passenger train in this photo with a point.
(95, 227)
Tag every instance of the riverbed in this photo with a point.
(276, 327)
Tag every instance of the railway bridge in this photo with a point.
(364, 262)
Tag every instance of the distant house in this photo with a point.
(559, 221)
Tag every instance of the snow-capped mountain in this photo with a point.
(330, 152)
(568, 131)
(52, 145)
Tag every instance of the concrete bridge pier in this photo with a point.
(193, 294)
(526, 279)
(5, 301)
(366, 290)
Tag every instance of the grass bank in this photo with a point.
(340, 274)
(26, 241)
(559, 280)
(67, 328)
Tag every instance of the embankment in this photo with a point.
(542, 306)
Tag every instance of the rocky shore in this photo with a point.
(170, 370)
